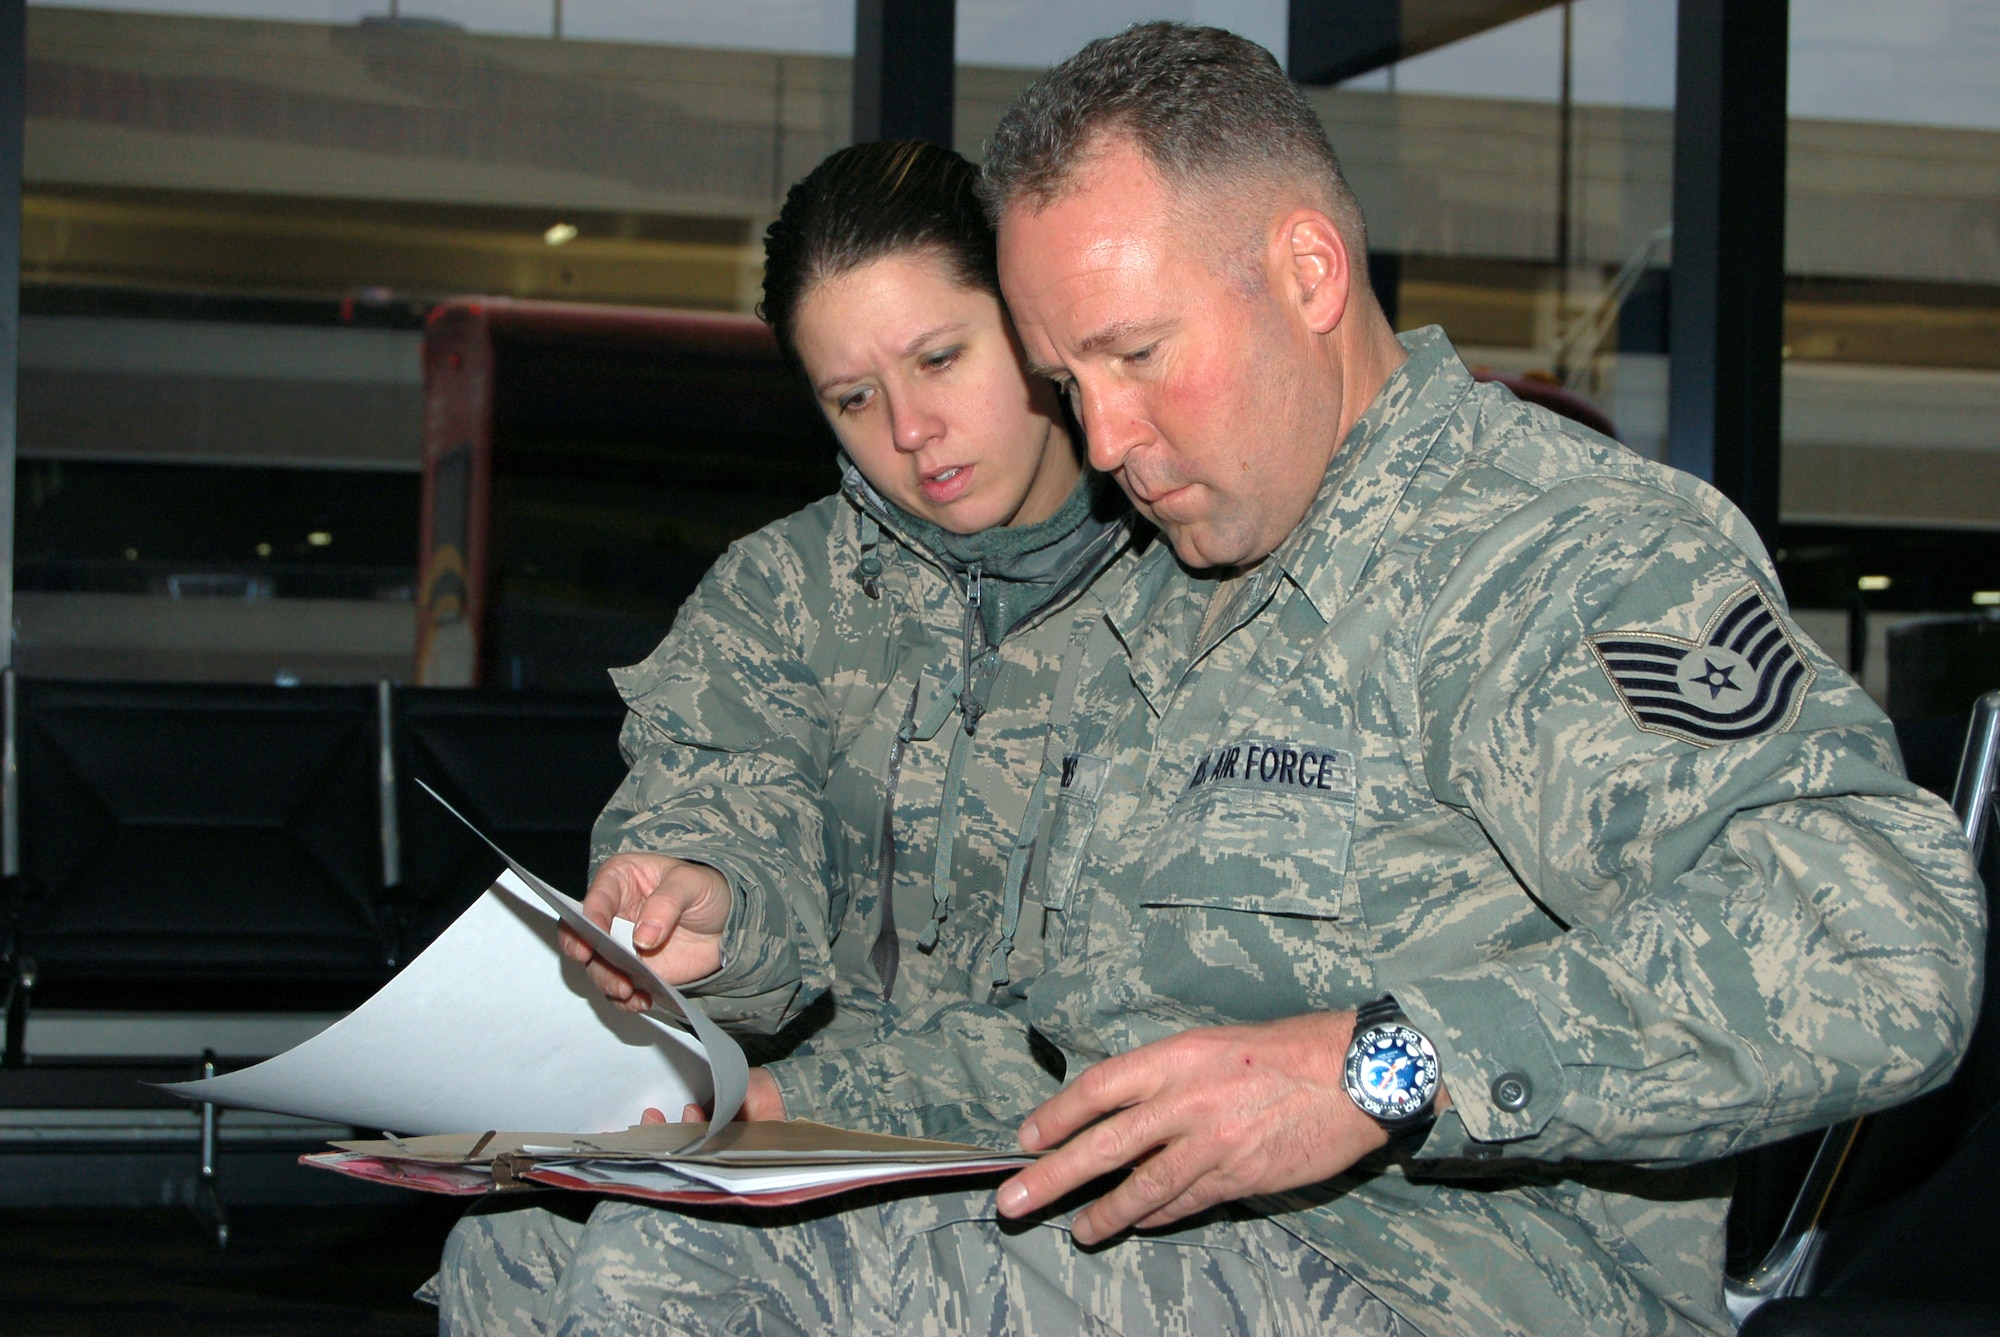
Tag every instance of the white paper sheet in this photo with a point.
(491, 1027)
(729, 1072)
(750, 1180)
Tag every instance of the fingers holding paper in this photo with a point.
(1202, 1118)
(678, 909)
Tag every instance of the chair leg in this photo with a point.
(207, 1202)
(20, 999)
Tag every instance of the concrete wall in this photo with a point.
(121, 100)
(291, 159)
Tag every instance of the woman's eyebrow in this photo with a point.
(826, 385)
(920, 340)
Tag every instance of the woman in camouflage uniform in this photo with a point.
(838, 755)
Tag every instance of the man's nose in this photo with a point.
(1111, 426)
(913, 424)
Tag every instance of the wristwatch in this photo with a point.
(1391, 1072)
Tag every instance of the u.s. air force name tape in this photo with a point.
(1745, 676)
(1275, 767)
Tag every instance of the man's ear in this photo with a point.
(1315, 258)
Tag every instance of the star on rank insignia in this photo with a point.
(1746, 675)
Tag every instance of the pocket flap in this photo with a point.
(1249, 904)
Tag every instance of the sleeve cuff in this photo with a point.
(1496, 1057)
(799, 1103)
(759, 984)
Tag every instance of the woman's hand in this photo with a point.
(680, 910)
(762, 1100)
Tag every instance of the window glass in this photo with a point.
(1891, 482)
(1004, 44)
(1519, 189)
(239, 214)
(1892, 385)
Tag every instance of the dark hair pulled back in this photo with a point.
(868, 202)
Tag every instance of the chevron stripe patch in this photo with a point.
(1746, 675)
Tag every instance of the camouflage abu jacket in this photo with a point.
(809, 712)
(1515, 726)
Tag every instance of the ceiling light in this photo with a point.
(560, 234)
(1873, 583)
(1986, 598)
(319, 538)
(263, 550)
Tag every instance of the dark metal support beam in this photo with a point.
(903, 69)
(1332, 40)
(13, 104)
(1727, 292)
(1328, 41)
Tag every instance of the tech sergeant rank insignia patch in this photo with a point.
(1746, 675)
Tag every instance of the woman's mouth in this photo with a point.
(946, 484)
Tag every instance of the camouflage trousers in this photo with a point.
(940, 1264)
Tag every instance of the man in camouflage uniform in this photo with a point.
(1488, 715)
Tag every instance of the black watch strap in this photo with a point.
(1382, 1009)
(1407, 1137)
(1405, 1140)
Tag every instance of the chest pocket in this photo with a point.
(1260, 827)
(1079, 784)
(1247, 910)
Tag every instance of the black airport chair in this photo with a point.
(190, 845)
(532, 772)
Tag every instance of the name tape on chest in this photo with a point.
(1745, 676)
(1270, 767)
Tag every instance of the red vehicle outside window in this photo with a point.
(583, 466)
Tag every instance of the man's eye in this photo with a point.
(1142, 354)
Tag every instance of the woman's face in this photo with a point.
(921, 378)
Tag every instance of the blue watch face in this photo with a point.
(1392, 1072)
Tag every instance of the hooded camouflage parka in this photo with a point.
(850, 714)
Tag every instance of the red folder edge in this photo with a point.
(470, 1183)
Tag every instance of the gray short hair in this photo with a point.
(1208, 108)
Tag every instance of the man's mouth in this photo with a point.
(1148, 494)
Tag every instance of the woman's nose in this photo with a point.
(913, 424)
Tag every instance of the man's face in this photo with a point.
(1208, 400)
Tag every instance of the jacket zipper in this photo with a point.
(969, 706)
(888, 949)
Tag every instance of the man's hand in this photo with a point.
(762, 1100)
(680, 910)
(1206, 1117)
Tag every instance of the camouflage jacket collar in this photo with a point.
(1162, 607)
(1333, 547)
(1073, 571)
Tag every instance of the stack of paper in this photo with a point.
(492, 1027)
(769, 1164)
